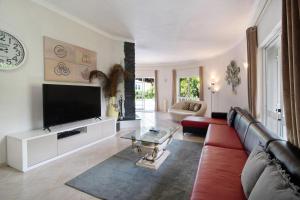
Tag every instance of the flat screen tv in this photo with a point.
(68, 103)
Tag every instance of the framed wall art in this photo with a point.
(67, 62)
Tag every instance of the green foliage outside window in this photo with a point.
(184, 87)
(149, 93)
(194, 87)
(189, 87)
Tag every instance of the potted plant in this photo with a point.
(110, 84)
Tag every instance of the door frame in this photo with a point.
(143, 95)
(273, 37)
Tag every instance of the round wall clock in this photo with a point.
(12, 51)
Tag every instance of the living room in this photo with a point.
(149, 99)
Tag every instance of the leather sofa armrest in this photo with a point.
(219, 115)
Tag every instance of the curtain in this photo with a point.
(291, 68)
(201, 87)
(174, 86)
(156, 90)
(251, 55)
(299, 7)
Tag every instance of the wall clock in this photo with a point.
(12, 51)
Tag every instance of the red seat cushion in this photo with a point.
(201, 122)
(218, 175)
(222, 136)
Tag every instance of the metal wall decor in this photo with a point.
(232, 75)
(67, 62)
(12, 51)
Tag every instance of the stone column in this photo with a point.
(129, 85)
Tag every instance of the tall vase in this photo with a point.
(112, 110)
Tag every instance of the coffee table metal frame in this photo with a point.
(154, 153)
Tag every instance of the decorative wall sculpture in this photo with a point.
(232, 75)
(67, 62)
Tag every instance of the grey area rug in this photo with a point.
(118, 178)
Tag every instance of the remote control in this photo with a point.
(154, 130)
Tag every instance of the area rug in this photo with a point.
(118, 178)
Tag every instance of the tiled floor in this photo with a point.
(47, 182)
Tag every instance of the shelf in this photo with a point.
(32, 134)
(30, 149)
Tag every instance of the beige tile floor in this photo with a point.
(47, 182)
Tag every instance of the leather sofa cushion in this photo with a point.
(257, 134)
(231, 116)
(222, 136)
(243, 126)
(200, 122)
(237, 119)
(219, 174)
(289, 157)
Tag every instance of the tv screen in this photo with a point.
(68, 103)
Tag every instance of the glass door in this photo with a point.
(274, 117)
(145, 94)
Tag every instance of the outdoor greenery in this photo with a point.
(189, 87)
(149, 92)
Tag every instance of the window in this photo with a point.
(189, 87)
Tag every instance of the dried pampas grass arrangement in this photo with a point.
(111, 81)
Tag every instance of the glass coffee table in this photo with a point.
(151, 143)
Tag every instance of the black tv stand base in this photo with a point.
(67, 134)
(48, 129)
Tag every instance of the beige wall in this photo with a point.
(21, 90)
(213, 68)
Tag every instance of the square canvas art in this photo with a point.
(67, 62)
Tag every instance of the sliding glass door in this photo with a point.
(144, 94)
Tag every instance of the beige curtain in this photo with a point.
(174, 86)
(156, 90)
(252, 54)
(291, 68)
(201, 88)
(299, 7)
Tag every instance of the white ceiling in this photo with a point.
(167, 31)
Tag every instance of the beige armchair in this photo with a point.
(178, 112)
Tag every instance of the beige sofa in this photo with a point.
(178, 112)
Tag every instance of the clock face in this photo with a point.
(12, 52)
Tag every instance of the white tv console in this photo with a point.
(28, 150)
